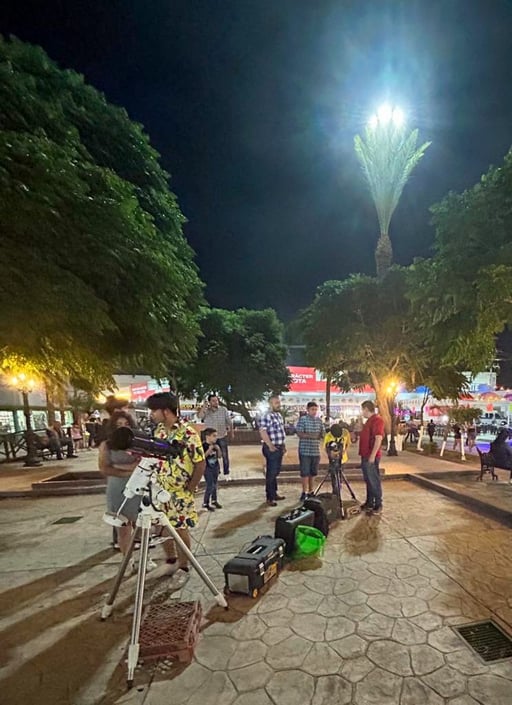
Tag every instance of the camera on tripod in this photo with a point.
(125, 439)
(336, 446)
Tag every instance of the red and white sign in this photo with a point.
(141, 391)
(307, 379)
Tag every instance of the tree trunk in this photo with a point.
(423, 404)
(382, 403)
(50, 407)
(328, 396)
(239, 407)
(383, 255)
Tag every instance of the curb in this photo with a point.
(481, 507)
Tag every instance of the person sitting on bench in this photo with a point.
(502, 452)
(57, 440)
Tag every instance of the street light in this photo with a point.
(25, 386)
(392, 389)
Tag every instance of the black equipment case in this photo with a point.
(287, 523)
(327, 509)
(248, 572)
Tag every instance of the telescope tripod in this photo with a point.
(338, 479)
(149, 516)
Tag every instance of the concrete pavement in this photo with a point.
(369, 623)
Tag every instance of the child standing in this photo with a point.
(212, 454)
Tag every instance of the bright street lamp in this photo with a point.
(387, 115)
(25, 386)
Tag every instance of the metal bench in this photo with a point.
(486, 465)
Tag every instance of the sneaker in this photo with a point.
(133, 566)
(216, 504)
(303, 497)
(366, 507)
(376, 510)
(208, 507)
(179, 579)
(271, 503)
(228, 478)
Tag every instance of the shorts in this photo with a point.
(115, 498)
(309, 465)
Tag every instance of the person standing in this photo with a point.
(213, 415)
(457, 436)
(431, 429)
(211, 474)
(273, 439)
(370, 442)
(310, 431)
(471, 435)
(117, 466)
(179, 475)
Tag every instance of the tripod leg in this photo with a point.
(349, 488)
(134, 647)
(219, 597)
(109, 604)
(319, 487)
(337, 480)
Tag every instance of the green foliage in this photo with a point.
(363, 328)
(463, 295)
(388, 154)
(95, 270)
(463, 414)
(241, 357)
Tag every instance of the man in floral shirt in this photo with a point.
(180, 476)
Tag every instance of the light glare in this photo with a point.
(398, 117)
(386, 115)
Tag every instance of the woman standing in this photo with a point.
(117, 466)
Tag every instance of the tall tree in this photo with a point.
(463, 296)
(241, 356)
(363, 328)
(96, 272)
(388, 154)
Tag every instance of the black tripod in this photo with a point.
(338, 479)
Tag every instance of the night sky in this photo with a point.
(253, 105)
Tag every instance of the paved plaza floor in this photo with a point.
(369, 623)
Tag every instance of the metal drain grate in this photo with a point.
(67, 520)
(487, 639)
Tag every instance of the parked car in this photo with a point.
(239, 421)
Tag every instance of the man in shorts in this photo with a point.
(310, 431)
(180, 476)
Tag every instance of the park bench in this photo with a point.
(486, 465)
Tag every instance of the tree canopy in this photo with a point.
(241, 356)
(96, 272)
(463, 295)
(364, 328)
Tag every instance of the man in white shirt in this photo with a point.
(216, 416)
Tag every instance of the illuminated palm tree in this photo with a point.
(388, 154)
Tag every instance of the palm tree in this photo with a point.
(388, 154)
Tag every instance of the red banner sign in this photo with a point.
(307, 379)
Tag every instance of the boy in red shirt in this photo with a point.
(370, 442)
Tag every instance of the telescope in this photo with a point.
(125, 439)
